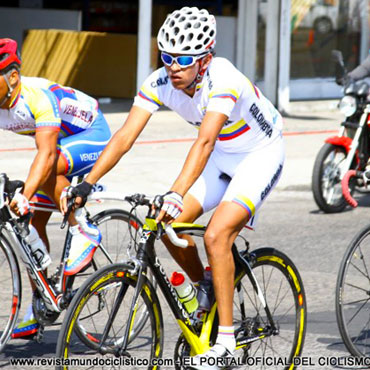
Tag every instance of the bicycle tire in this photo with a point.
(279, 280)
(113, 225)
(115, 238)
(10, 282)
(352, 295)
(96, 293)
(326, 179)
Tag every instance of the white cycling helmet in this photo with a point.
(188, 31)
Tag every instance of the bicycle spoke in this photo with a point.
(353, 295)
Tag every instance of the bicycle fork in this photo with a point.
(271, 328)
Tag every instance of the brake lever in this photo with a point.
(157, 203)
(160, 230)
(70, 203)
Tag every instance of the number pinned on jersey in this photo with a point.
(98, 188)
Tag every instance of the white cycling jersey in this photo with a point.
(253, 122)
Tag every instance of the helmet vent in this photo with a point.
(197, 25)
(190, 36)
(176, 31)
(187, 25)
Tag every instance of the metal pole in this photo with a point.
(144, 41)
(284, 58)
(272, 50)
(246, 50)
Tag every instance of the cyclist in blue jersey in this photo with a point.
(70, 132)
(239, 138)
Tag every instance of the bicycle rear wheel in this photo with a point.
(91, 309)
(10, 283)
(283, 292)
(353, 295)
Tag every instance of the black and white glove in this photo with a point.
(172, 204)
(81, 190)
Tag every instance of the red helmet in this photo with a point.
(8, 53)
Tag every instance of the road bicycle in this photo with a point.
(269, 308)
(53, 293)
(353, 295)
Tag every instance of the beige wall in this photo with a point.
(99, 64)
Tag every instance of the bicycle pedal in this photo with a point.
(40, 334)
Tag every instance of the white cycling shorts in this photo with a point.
(253, 176)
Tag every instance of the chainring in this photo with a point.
(43, 315)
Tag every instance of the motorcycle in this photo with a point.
(349, 150)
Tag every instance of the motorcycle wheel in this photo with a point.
(326, 181)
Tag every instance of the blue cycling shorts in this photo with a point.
(80, 152)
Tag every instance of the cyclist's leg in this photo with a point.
(204, 195)
(80, 152)
(225, 224)
(245, 194)
(76, 156)
(242, 199)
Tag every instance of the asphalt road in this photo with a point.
(289, 221)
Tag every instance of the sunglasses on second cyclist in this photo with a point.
(183, 61)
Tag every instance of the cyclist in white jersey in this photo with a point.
(239, 138)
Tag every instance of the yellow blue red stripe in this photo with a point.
(233, 131)
(246, 203)
(15, 100)
(147, 95)
(225, 94)
(68, 159)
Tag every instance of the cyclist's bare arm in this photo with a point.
(198, 155)
(120, 144)
(43, 165)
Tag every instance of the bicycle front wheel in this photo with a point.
(10, 283)
(119, 232)
(284, 294)
(109, 289)
(353, 295)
